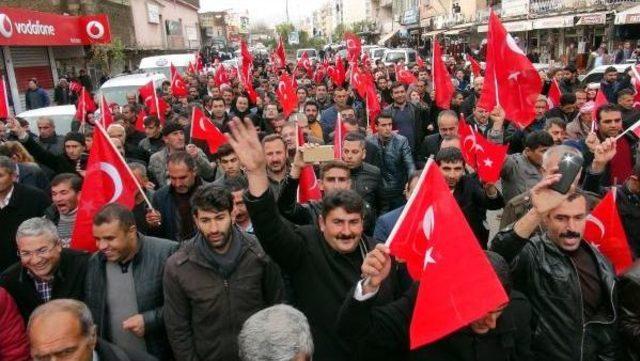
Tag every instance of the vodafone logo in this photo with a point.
(6, 26)
(95, 29)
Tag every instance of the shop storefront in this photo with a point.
(36, 45)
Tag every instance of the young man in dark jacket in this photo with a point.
(215, 281)
(629, 310)
(124, 283)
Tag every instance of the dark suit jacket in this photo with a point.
(430, 146)
(109, 352)
(32, 175)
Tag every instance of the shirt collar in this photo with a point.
(5, 201)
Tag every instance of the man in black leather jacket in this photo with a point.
(568, 282)
(365, 178)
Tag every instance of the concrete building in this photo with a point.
(163, 26)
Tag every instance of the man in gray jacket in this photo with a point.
(124, 283)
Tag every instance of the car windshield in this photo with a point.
(393, 57)
(412, 57)
(378, 53)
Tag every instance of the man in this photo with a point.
(366, 179)
(270, 115)
(580, 127)
(490, 124)
(28, 173)
(566, 110)
(410, 121)
(624, 53)
(396, 162)
(173, 138)
(447, 127)
(568, 282)
(17, 204)
(557, 129)
(65, 327)
(228, 162)
(386, 222)
(275, 151)
(215, 281)
(153, 141)
(610, 85)
(518, 136)
(124, 283)
(62, 94)
(323, 260)
(630, 114)
(330, 115)
(237, 187)
(276, 333)
(470, 102)
(85, 80)
(47, 137)
(172, 200)
(473, 197)
(45, 271)
(301, 95)
(570, 82)
(322, 97)
(65, 194)
(133, 135)
(35, 97)
(311, 109)
(628, 290)
(521, 171)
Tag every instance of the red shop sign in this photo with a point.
(25, 27)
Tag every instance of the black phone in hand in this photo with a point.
(569, 166)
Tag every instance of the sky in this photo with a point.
(271, 12)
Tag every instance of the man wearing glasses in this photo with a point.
(45, 271)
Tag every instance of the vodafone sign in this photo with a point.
(26, 27)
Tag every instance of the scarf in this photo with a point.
(224, 263)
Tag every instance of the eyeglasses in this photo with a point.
(39, 252)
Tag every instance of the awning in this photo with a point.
(431, 33)
(513, 26)
(592, 18)
(388, 36)
(629, 16)
(453, 32)
(554, 22)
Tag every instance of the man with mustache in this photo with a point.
(568, 282)
(275, 151)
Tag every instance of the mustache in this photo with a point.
(569, 234)
(345, 236)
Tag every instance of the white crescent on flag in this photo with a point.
(598, 223)
(511, 43)
(112, 172)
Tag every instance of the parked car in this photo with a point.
(116, 89)
(392, 56)
(594, 76)
(62, 116)
(162, 63)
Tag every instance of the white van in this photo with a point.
(62, 116)
(162, 63)
(392, 56)
(116, 89)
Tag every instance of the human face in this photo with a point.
(32, 85)
(353, 153)
(568, 108)
(152, 131)
(116, 132)
(558, 134)
(415, 97)
(277, 125)
(275, 155)
(227, 95)
(342, 230)
(565, 223)
(64, 197)
(340, 98)
(194, 93)
(348, 114)
(581, 98)
(541, 108)
(382, 83)
(535, 156)
(40, 255)
(610, 123)
(321, 93)
(478, 83)
(242, 104)
(625, 101)
(452, 172)
(487, 322)
(271, 112)
(7, 177)
(399, 95)
(289, 136)
(181, 177)
(116, 243)
(448, 126)
(73, 149)
(128, 115)
(311, 111)
(131, 99)
(335, 179)
(45, 128)
(423, 75)
(302, 95)
(591, 93)
(59, 337)
(218, 109)
(385, 127)
(174, 140)
(215, 227)
(230, 165)
(611, 76)
(457, 99)
(240, 214)
(481, 115)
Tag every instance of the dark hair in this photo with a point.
(333, 164)
(385, 115)
(217, 99)
(449, 155)
(8, 164)
(73, 179)
(347, 199)
(606, 108)
(355, 137)
(567, 98)
(211, 198)
(272, 138)
(224, 150)
(115, 212)
(311, 103)
(554, 121)
(182, 157)
(397, 84)
(538, 139)
(611, 69)
(235, 184)
(151, 120)
(624, 92)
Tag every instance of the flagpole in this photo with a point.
(155, 96)
(433, 64)
(631, 128)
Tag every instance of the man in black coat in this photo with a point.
(366, 179)
(629, 310)
(17, 203)
(46, 271)
(409, 120)
(447, 128)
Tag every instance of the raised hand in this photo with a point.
(246, 144)
(543, 198)
(602, 154)
(375, 268)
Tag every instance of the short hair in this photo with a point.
(212, 198)
(559, 150)
(606, 108)
(48, 120)
(397, 84)
(217, 99)
(537, 139)
(182, 157)
(38, 226)
(567, 98)
(77, 309)
(355, 137)
(151, 120)
(611, 69)
(311, 103)
(348, 199)
(224, 150)
(138, 166)
(624, 92)
(272, 138)
(8, 164)
(447, 113)
(449, 155)
(278, 332)
(385, 115)
(554, 121)
(235, 184)
(333, 164)
(73, 179)
(115, 212)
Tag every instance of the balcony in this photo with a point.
(447, 21)
(549, 6)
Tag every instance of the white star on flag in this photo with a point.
(488, 162)
(514, 76)
(427, 258)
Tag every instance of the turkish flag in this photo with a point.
(140, 120)
(4, 100)
(156, 105)
(318, 75)
(280, 54)
(286, 94)
(635, 81)
(490, 158)
(441, 78)
(553, 98)
(420, 62)
(178, 86)
(191, 69)
(85, 105)
(457, 283)
(339, 133)
(600, 100)
(108, 179)
(221, 76)
(354, 47)
(404, 76)
(308, 188)
(468, 142)
(199, 63)
(75, 87)
(475, 66)
(373, 107)
(337, 73)
(305, 63)
(105, 111)
(604, 231)
(202, 128)
(635, 128)
(510, 78)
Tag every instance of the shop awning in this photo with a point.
(513, 26)
(592, 18)
(554, 22)
(432, 33)
(629, 16)
(388, 36)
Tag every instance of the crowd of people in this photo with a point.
(225, 263)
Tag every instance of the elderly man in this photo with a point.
(580, 127)
(276, 333)
(46, 271)
(447, 128)
(47, 137)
